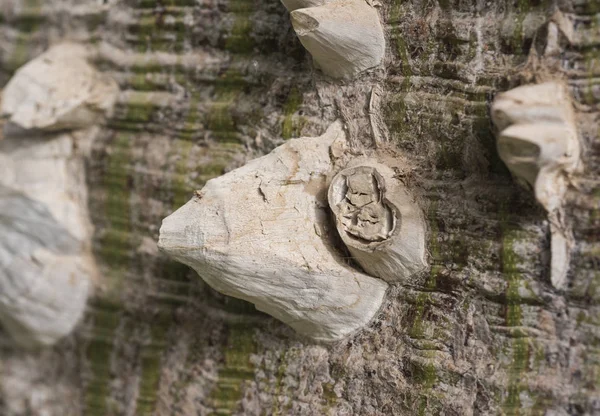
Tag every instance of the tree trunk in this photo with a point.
(207, 85)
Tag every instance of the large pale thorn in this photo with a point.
(538, 138)
(540, 154)
(44, 279)
(44, 283)
(344, 37)
(292, 5)
(58, 90)
(46, 266)
(263, 233)
(549, 102)
(538, 142)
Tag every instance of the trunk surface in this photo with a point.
(209, 84)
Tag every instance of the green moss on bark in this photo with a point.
(235, 370)
(105, 317)
(26, 25)
(519, 348)
(150, 363)
(292, 124)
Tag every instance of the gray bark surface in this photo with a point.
(209, 84)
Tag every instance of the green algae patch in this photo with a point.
(114, 251)
(418, 326)
(329, 395)
(276, 410)
(444, 4)
(140, 112)
(402, 50)
(235, 370)
(220, 118)
(396, 10)
(106, 317)
(116, 243)
(151, 355)
(424, 374)
(592, 57)
(434, 247)
(396, 114)
(28, 20)
(162, 29)
(519, 348)
(27, 25)
(239, 39)
(149, 82)
(182, 191)
(514, 313)
(518, 38)
(422, 399)
(292, 125)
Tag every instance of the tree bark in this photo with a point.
(209, 84)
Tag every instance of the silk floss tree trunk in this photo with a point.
(370, 208)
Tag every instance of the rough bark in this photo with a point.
(207, 85)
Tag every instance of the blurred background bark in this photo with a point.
(209, 84)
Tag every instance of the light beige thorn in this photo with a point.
(539, 143)
(344, 37)
(59, 90)
(292, 5)
(261, 233)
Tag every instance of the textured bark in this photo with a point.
(209, 84)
